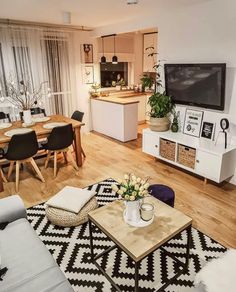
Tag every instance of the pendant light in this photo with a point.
(114, 58)
(103, 58)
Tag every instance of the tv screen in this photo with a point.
(200, 85)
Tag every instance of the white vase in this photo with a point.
(27, 117)
(132, 211)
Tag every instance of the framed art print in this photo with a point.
(208, 130)
(87, 53)
(88, 75)
(193, 122)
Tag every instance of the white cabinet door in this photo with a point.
(208, 165)
(151, 144)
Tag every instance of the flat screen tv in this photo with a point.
(201, 85)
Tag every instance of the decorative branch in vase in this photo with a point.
(23, 96)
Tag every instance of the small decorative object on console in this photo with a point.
(175, 123)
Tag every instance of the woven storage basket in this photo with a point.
(186, 156)
(67, 219)
(167, 149)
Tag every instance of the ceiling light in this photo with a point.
(103, 58)
(114, 58)
(129, 2)
(66, 15)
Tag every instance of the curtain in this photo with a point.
(36, 55)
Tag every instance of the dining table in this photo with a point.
(42, 131)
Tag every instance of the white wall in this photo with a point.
(199, 32)
(82, 101)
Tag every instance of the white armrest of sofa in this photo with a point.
(11, 209)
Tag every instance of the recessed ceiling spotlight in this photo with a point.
(129, 2)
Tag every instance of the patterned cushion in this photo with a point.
(67, 219)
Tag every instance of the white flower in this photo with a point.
(141, 188)
(115, 188)
(123, 189)
(138, 180)
(134, 193)
(146, 185)
(145, 192)
(132, 198)
(142, 182)
(119, 181)
(120, 192)
(136, 187)
(127, 197)
(126, 176)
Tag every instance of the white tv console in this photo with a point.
(207, 159)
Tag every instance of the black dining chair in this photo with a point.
(4, 116)
(35, 111)
(22, 148)
(78, 116)
(59, 140)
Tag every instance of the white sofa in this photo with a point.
(30, 265)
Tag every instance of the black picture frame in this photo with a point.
(208, 129)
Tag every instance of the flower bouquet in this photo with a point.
(131, 188)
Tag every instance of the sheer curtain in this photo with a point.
(37, 54)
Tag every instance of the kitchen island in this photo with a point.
(117, 115)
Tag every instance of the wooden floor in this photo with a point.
(212, 207)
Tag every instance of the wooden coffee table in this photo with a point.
(138, 243)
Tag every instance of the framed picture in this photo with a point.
(88, 75)
(208, 130)
(193, 122)
(87, 53)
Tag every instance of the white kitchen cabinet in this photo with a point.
(211, 161)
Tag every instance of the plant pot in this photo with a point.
(27, 117)
(159, 124)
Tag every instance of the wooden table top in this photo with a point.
(139, 242)
(38, 127)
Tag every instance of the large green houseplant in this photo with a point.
(161, 105)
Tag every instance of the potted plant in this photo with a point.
(161, 104)
(147, 82)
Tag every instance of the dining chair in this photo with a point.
(35, 111)
(38, 111)
(4, 116)
(60, 140)
(78, 116)
(22, 148)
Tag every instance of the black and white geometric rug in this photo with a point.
(71, 249)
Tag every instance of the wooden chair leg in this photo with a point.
(65, 156)
(47, 159)
(55, 164)
(17, 175)
(72, 159)
(3, 176)
(35, 166)
(10, 169)
(83, 152)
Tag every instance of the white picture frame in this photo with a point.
(88, 75)
(193, 122)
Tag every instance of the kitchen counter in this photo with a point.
(126, 97)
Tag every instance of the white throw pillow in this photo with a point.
(71, 199)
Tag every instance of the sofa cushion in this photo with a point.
(30, 265)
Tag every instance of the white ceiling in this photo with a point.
(91, 13)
